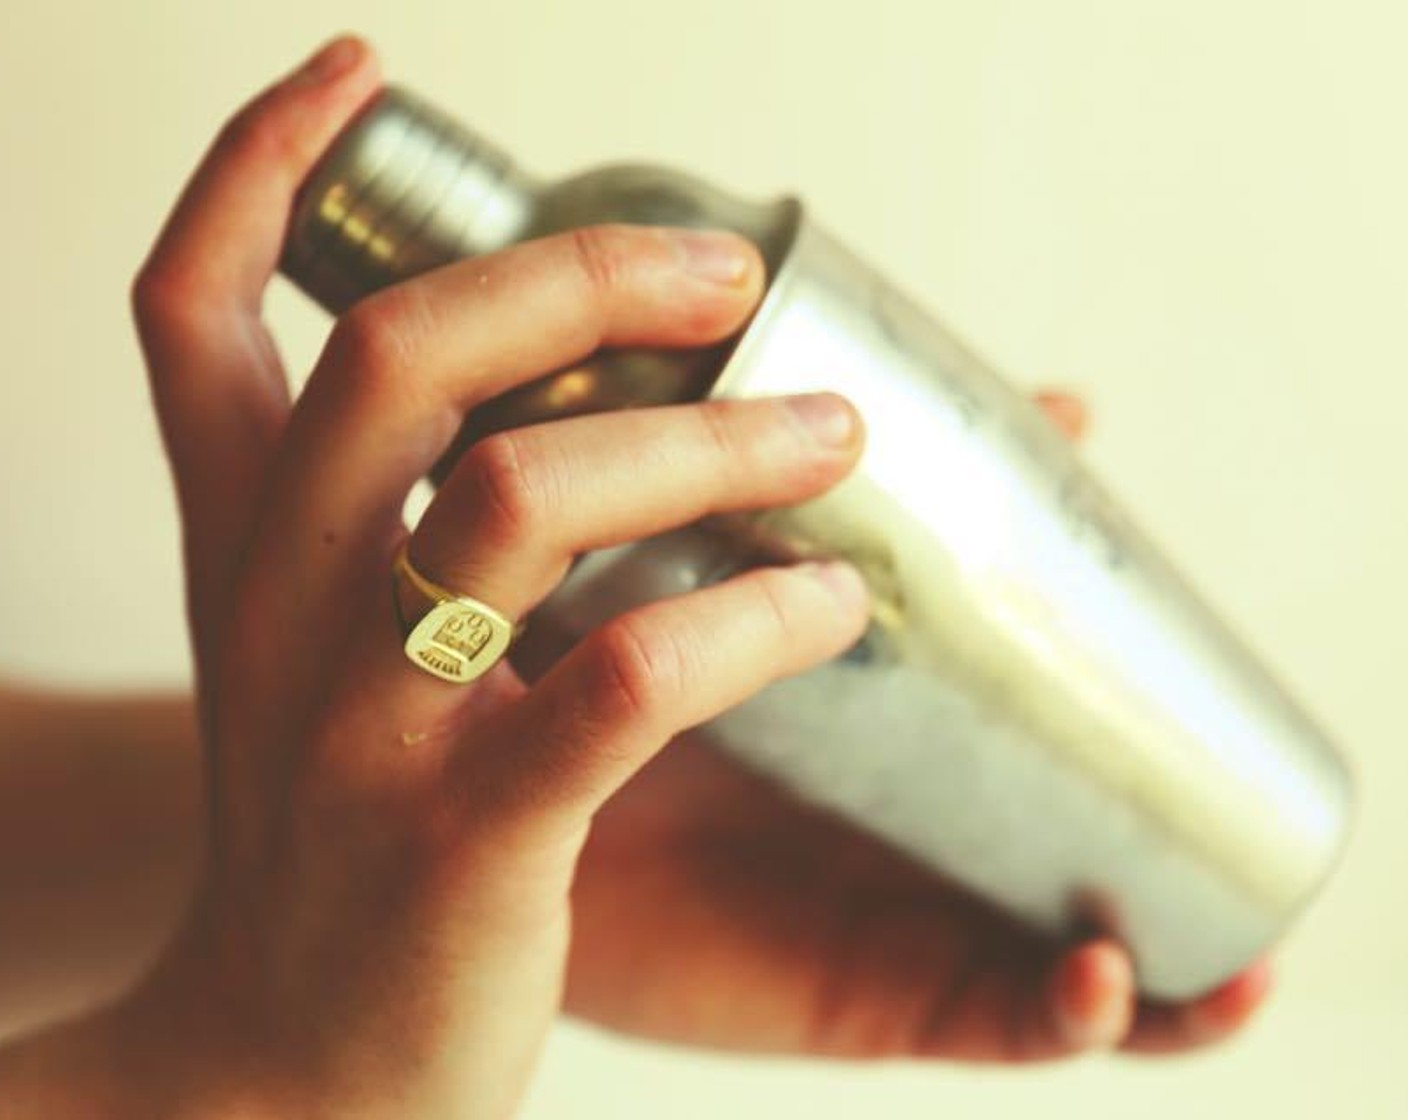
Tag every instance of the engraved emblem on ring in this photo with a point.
(459, 638)
(448, 639)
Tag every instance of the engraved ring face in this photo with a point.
(457, 643)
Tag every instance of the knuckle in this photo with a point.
(377, 341)
(162, 296)
(506, 492)
(149, 292)
(718, 421)
(641, 666)
(256, 133)
(599, 254)
(773, 591)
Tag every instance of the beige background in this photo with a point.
(1193, 212)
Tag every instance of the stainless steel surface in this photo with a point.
(1041, 709)
(405, 189)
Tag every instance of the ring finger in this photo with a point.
(520, 505)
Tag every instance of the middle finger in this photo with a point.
(521, 504)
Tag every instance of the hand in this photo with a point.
(712, 908)
(383, 924)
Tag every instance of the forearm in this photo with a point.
(99, 798)
(71, 1070)
(147, 1055)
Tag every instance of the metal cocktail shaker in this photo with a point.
(1041, 708)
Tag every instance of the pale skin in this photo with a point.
(404, 881)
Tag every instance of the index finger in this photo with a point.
(217, 382)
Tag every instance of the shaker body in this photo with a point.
(1042, 709)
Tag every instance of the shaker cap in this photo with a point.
(402, 189)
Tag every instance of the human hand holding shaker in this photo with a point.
(1041, 708)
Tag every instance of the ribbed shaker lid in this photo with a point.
(404, 188)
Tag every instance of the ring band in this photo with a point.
(459, 639)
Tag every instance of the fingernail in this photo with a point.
(719, 258)
(828, 417)
(1101, 1028)
(841, 579)
(1094, 999)
(332, 60)
(1225, 1008)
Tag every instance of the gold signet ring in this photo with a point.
(459, 639)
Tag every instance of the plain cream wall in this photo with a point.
(1192, 212)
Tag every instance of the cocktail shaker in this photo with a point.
(1041, 708)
